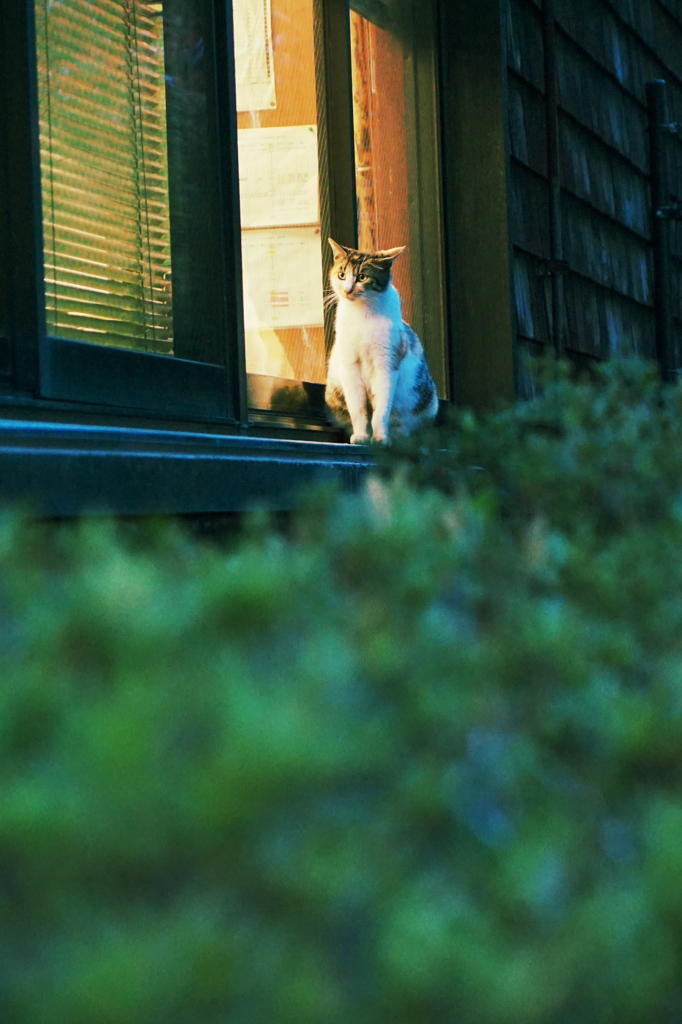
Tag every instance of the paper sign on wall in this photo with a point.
(253, 55)
(282, 270)
(278, 178)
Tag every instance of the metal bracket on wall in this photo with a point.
(673, 211)
(377, 11)
(548, 267)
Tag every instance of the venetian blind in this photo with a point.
(104, 172)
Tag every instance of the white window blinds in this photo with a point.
(104, 172)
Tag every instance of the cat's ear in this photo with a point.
(389, 254)
(340, 251)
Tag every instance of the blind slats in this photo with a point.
(96, 208)
(122, 306)
(85, 245)
(116, 281)
(104, 172)
(107, 176)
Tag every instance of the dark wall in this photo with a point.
(606, 52)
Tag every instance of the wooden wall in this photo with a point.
(607, 50)
(381, 149)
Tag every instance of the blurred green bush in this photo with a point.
(416, 762)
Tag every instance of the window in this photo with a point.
(284, 190)
(136, 237)
(190, 168)
(281, 188)
(104, 159)
(396, 155)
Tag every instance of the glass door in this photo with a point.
(284, 113)
(278, 130)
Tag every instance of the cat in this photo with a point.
(378, 383)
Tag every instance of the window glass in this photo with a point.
(381, 145)
(105, 173)
(396, 162)
(129, 174)
(277, 124)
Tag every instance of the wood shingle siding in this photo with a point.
(606, 52)
(524, 41)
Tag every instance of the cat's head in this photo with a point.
(357, 276)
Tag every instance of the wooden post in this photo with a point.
(660, 225)
(474, 141)
(553, 174)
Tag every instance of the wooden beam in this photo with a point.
(475, 158)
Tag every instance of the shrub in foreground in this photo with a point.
(417, 762)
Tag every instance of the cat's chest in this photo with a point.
(365, 337)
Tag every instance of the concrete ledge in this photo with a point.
(68, 469)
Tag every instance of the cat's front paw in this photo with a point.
(359, 439)
(383, 440)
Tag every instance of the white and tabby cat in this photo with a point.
(378, 383)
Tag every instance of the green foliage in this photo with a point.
(418, 761)
(611, 443)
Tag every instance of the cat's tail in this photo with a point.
(335, 404)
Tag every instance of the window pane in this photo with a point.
(381, 141)
(129, 175)
(279, 188)
(105, 174)
(394, 114)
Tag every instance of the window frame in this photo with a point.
(54, 368)
(125, 384)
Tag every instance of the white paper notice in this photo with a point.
(283, 276)
(278, 179)
(253, 55)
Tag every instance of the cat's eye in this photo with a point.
(363, 277)
(342, 275)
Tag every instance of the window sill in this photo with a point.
(62, 469)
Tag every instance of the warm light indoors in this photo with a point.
(277, 120)
(381, 147)
(128, 174)
(279, 188)
(396, 156)
(103, 145)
